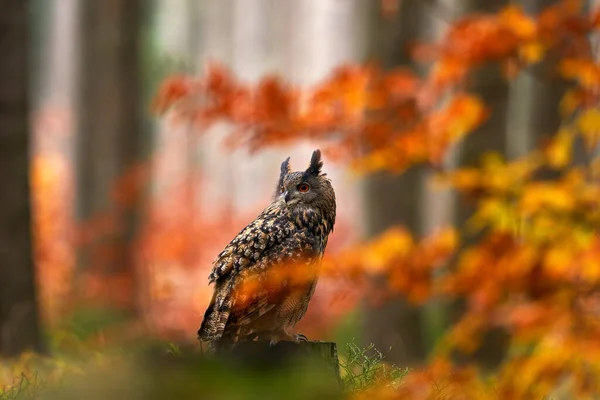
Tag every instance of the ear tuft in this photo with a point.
(285, 169)
(315, 163)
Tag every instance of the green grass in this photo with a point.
(364, 368)
(25, 388)
(179, 373)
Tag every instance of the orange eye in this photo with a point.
(303, 187)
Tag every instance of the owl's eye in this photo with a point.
(303, 187)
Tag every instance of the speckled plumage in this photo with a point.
(265, 277)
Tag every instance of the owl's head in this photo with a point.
(309, 188)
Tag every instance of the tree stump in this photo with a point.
(304, 370)
(262, 356)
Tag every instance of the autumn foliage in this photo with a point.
(532, 262)
(527, 261)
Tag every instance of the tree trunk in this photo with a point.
(308, 370)
(535, 98)
(111, 141)
(489, 83)
(396, 200)
(19, 324)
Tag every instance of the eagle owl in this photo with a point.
(265, 277)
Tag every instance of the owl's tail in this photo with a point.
(217, 313)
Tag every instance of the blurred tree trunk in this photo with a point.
(392, 200)
(19, 324)
(111, 142)
(547, 88)
(490, 84)
(177, 38)
(535, 97)
(216, 30)
(251, 34)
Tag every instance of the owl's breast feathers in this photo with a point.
(244, 272)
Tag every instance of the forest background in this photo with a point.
(137, 138)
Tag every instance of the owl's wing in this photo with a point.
(265, 232)
(265, 284)
(247, 289)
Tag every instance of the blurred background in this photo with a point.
(129, 209)
(144, 203)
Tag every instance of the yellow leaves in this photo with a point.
(530, 48)
(560, 151)
(522, 25)
(496, 213)
(571, 101)
(466, 334)
(442, 379)
(549, 197)
(588, 268)
(485, 271)
(558, 261)
(441, 244)
(500, 176)
(556, 362)
(560, 210)
(392, 244)
(532, 52)
(407, 264)
(588, 124)
(494, 176)
(543, 373)
(552, 356)
(589, 121)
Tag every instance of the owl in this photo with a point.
(265, 277)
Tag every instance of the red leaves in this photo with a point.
(392, 116)
(479, 38)
(172, 90)
(358, 106)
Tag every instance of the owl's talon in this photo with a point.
(301, 338)
(272, 343)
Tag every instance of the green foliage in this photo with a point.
(173, 349)
(162, 370)
(179, 373)
(25, 388)
(365, 368)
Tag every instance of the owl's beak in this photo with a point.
(287, 197)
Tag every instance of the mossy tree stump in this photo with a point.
(262, 355)
(252, 369)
